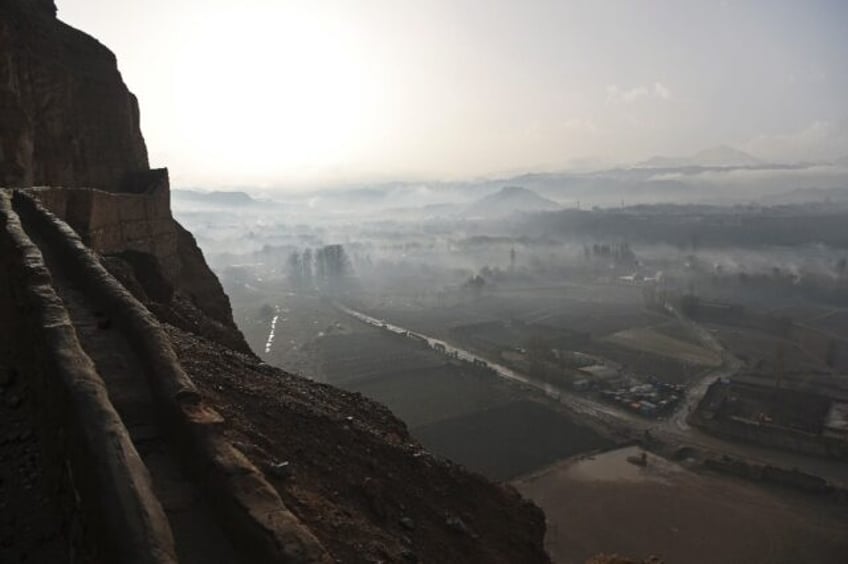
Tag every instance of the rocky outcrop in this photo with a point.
(203, 287)
(68, 118)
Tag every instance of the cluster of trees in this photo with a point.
(620, 253)
(475, 284)
(327, 268)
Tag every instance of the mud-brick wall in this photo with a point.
(86, 446)
(111, 223)
(141, 221)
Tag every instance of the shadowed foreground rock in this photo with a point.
(354, 475)
(146, 402)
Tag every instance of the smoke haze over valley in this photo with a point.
(441, 282)
(570, 273)
(517, 324)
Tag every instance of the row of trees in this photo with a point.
(620, 253)
(327, 268)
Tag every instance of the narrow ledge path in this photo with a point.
(198, 538)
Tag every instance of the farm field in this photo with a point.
(473, 418)
(835, 322)
(506, 441)
(679, 515)
(571, 307)
(642, 363)
(677, 330)
(802, 313)
(650, 341)
(417, 384)
(763, 351)
(600, 320)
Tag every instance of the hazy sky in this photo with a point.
(287, 93)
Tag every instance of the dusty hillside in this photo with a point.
(350, 470)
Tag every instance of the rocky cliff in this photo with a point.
(289, 467)
(71, 126)
(68, 119)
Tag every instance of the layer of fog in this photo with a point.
(421, 238)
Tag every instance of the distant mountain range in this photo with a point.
(213, 198)
(721, 174)
(509, 200)
(720, 156)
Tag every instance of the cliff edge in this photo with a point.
(276, 453)
(71, 127)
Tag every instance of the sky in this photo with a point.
(288, 94)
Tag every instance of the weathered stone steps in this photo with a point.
(81, 434)
(177, 434)
(198, 538)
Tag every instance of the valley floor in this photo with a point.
(604, 503)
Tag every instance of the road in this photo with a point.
(730, 366)
(673, 430)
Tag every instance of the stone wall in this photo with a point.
(111, 223)
(124, 223)
(86, 443)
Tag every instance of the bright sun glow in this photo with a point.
(290, 92)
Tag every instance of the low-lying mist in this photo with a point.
(784, 240)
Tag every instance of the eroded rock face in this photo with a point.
(67, 116)
(69, 124)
